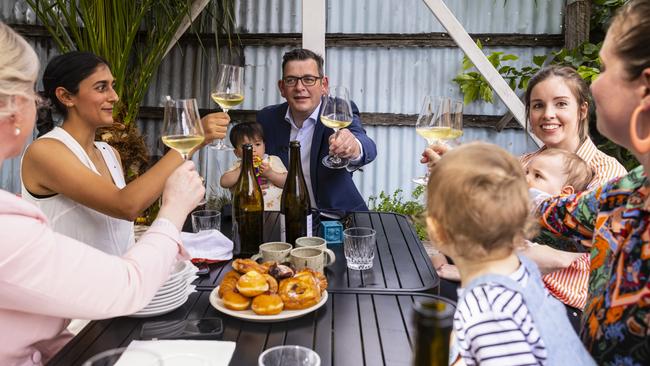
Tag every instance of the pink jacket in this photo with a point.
(47, 278)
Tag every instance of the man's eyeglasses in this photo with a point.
(307, 80)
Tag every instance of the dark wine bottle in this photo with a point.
(433, 322)
(247, 208)
(295, 205)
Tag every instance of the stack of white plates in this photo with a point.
(173, 293)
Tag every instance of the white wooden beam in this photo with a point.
(465, 42)
(314, 15)
(196, 8)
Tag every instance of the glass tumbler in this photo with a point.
(359, 247)
(206, 220)
(289, 356)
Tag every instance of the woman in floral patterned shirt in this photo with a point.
(613, 221)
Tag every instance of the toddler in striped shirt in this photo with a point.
(478, 213)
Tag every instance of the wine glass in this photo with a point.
(456, 123)
(228, 93)
(425, 126)
(182, 130)
(336, 113)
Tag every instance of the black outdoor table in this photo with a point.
(367, 319)
(401, 262)
(350, 329)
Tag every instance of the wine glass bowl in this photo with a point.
(427, 127)
(182, 130)
(227, 93)
(336, 113)
(456, 123)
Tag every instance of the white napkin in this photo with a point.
(208, 244)
(183, 352)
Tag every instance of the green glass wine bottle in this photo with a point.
(295, 205)
(433, 322)
(247, 208)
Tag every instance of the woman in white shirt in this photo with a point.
(78, 182)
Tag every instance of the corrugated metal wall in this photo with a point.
(380, 79)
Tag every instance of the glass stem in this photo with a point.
(335, 158)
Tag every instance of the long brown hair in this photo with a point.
(578, 87)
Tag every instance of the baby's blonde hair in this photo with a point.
(477, 194)
(578, 173)
(18, 68)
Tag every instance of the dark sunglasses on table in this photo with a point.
(307, 80)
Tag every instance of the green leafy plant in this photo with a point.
(474, 86)
(395, 202)
(583, 58)
(601, 13)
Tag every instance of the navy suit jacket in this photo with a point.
(333, 189)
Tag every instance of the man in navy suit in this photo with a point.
(303, 84)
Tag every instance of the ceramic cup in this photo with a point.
(319, 243)
(276, 251)
(313, 258)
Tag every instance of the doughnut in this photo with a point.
(273, 284)
(235, 301)
(267, 304)
(320, 277)
(229, 282)
(252, 284)
(299, 292)
(244, 266)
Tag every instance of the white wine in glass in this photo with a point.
(435, 125)
(336, 113)
(456, 116)
(182, 129)
(183, 144)
(228, 93)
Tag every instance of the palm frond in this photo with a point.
(114, 30)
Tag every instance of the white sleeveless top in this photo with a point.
(68, 217)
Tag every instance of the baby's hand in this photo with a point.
(265, 169)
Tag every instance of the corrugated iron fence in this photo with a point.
(389, 53)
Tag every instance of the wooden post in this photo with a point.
(576, 23)
(314, 14)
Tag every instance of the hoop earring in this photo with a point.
(642, 145)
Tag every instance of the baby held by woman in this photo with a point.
(478, 213)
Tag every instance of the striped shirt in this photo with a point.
(570, 284)
(494, 327)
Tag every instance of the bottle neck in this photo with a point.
(295, 164)
(247, 159)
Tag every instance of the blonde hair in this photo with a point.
(578, 173)
(18, 69)
(478, 195)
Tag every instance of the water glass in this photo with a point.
(289, 356)
(359, 247)
(124, 356)
(206, 220)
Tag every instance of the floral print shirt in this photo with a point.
(611, 221)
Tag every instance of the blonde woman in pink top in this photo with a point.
(47, 278)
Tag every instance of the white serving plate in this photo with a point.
(249, 315)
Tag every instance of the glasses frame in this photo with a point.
(293, 80)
